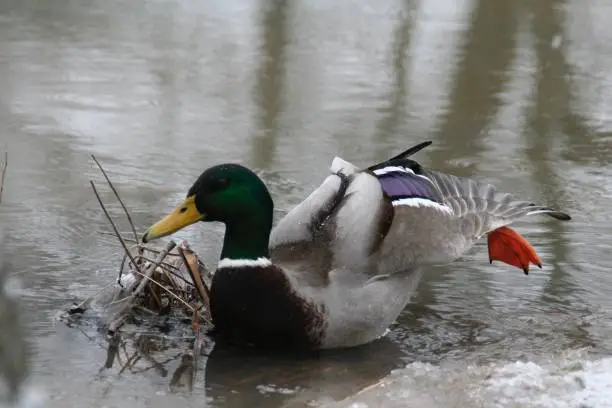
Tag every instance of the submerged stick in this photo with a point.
(197, 346)
(183, 375)
(143, 346)
(186, 372)
(112, 223)
(130, 362)
(127, 213)
(112, 351)
(119, 319)
(83, 306)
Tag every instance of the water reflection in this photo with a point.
(13, 350)
(271, 76)
(393, 114)
(546, 116)
(482, 72)
(292, 381)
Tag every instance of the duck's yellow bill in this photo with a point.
(183, 215)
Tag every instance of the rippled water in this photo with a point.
(515, 93)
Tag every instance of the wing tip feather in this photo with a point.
(559, 215)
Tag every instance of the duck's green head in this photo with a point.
(229, 193)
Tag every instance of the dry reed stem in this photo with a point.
(114, 235)
(121, 269)
(127, 213)
(117, 234)
(197, 279)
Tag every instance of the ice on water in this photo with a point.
(571, 381)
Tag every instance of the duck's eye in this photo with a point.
(221, 183)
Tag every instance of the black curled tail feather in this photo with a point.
(551, 212)
(402, 158)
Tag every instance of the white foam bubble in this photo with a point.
(127, 280)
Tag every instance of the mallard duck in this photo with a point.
(339, 268)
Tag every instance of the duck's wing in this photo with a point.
(339, 226)
(472, 199)
(438, 216)
(306, 223)
(393, 216)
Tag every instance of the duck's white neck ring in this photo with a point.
(260, 262)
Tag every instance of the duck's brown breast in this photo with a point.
(257, 305)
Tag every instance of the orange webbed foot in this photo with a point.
(508, 246)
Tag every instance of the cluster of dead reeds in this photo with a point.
(153, 282)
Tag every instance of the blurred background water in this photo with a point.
(518, 93)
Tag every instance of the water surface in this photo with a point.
(514, 93)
